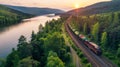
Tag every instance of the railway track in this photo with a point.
(96, 61)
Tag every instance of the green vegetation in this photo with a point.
(104, 40)
(97, 8)
(47, 48)
(95, 31)
(9, 16)
(84, 60)
(79, 53)
(2, 62)
(27, 62)
(53, 60)
(85, 28)
(103, 29)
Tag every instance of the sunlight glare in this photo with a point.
(77, 5)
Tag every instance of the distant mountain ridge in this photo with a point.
(102, 7)
(35, 10)
(10, 16)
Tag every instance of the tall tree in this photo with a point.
(12, 59)
(2, 62)
(54, 61)
(24, 48)
(95, 31)
(118, 52)
(22, 39)
(85, 28)
(116, 17)
(28, 62)
(32, 36)
(40, 28)
(110, 18)
(104, 39)
(54, 42)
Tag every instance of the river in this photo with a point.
(9, 36)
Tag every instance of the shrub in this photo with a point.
(89, 65)
(84, 60)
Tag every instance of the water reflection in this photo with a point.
(9, 36)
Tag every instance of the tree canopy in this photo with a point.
(54, 61)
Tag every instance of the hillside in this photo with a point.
(102, 7)
(104, 30)
(100, 23)
(9, 16)
(35, 10)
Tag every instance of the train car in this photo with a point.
(83, 37)
(76, 32)
(94, 47)
(73, 30)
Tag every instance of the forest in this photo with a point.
(47, 48)
(9, 16)
(103, 29)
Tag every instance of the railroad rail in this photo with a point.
(96, 61)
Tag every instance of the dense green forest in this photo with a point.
(47, 48)
(103, 29)
(9, 16)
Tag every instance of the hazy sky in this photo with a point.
(60, 4)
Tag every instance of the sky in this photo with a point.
(60, 4)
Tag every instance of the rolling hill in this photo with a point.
(10, 16)
(102, 7)
(35, 10)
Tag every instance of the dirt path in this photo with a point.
(75, 57)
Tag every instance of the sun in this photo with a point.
(76, 5)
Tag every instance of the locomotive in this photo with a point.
(92, 46)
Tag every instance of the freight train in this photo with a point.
(92, 46)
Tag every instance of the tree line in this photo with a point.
(47, 48)
(103, 29)
(9, 16)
